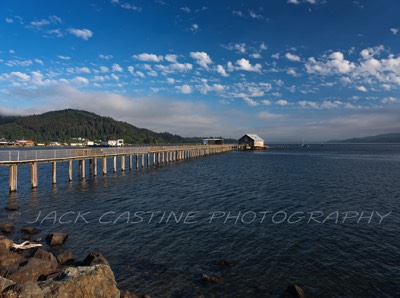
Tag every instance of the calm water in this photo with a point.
(326, 218)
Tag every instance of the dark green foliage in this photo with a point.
(62, 126)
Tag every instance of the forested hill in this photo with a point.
(383, 138)
(62, 126)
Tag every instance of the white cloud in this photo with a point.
(327, 104)
(117, 68)
(170, 81)
(334, 64)
(244, 64)
(148, 57)
(185, 89)
(131, 69)
(237, 47)
(38, 61)
(264, 115)
(266, 102)
(311, 104)
(19, 76)
(185, 9)
(282, 102)
(85, 34)
(130, 7)
(238, 13)
(63, 57)
(256, 56)
(253, 15)
(292, 72)
(292, 57)
(194, 28)
(221, 71)
(22, 63)
(105, 57)
(80, 81)
(248, 100)
(8, 20)
(362, 89)
(171, 58)
(202, 59)
(104, 69)
(390, 100)
(394, 30)
(140, 74)
(263, 46)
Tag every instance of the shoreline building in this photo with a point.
(252, 141)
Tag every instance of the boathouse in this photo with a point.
(251, 141)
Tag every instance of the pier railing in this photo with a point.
(137, 157)
(23, 156)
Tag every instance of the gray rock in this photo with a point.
(24, 290)
(86, 281)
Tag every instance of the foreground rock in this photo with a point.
(56, 239)
(35, 272)
(92, 281)
(7, 227)
(294, 291)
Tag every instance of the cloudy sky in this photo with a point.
(287, 70)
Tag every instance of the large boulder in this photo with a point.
(81, 282)
(5, 245)
(57, 238)
(7, 227)
(66, 258)
(95, 258)
(27, 289)
(30, 230)
(32, 269)
(294, 291)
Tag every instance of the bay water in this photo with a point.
(324, 217)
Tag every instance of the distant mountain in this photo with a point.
(62, 126)
(383, 138)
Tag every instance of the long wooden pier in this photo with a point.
(138, 157)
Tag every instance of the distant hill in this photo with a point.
(383, 138)
(62, 126)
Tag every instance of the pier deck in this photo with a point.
(143, 156)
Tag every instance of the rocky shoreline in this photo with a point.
(28, 270)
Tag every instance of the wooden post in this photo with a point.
(13, 177)
(130, 162)
(82, 164)
(115, 163)
(34, 175)
(154, 158)
(94, 166)
(137, 161)
(148, 160)
(104, 165)
(122, 163)
(70, 170)
(54, 172)
(142, 160)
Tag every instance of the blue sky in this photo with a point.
(285, 69)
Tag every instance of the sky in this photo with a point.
(287, 70)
